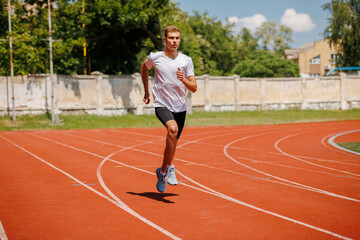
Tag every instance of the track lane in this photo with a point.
(43, 204)
(141, 200)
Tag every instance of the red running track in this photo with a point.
(238, 182)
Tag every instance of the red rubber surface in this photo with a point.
(239, 182)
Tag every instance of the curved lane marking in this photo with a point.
(2, 232)
(335, 149)
(331, 141)
(117, 202)
(121, 203)
(276, 145)
(301, 186)
(283, 179)
(221, 195)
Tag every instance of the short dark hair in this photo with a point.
(171, 28)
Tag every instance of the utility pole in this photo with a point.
(11, 64)
(54, 119)
(84, 44)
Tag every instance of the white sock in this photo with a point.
(162, 174)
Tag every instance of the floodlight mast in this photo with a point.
(11, 64)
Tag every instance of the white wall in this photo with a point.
(117, 95)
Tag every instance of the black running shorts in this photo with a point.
(164, 115)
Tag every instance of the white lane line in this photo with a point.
(221, 195)
(97, 141)
(134, 133)
(335, 149)
(220, 135)
(297, 129)
(262, 162)
(283, 179)
(208, 166)
(218, 145)
(2, 232)
(318, 165)
(294, 184)
(277, 153)
(119, 204)
(331, 141)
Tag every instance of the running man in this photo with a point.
(174, 73)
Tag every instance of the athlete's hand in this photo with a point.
(180, 75)
(146, 98)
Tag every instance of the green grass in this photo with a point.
(42, 122)
(269, 117)
(196, 119)
(353, 146)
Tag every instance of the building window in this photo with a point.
(334, 58)
(315, 60)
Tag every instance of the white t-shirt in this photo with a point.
(168, 90)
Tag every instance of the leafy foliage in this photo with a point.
(274, 37)
(343, 30)
(3, 18)
(119, 34)
(247, 45)
(30, 46)
(264, 64)
(114, 31)
(218, 46)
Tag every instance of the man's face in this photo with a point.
(172, 41)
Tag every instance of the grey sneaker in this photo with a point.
(160, 185)
(171, 177)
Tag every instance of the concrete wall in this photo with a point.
(118, 95)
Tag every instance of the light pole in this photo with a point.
(53, 116)
(84, 44)
(11, 64)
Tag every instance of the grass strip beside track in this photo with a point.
(353, 146)
(84, 121)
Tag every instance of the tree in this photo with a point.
(274, 37)
(116, 30)
(114, 33)
(219, 48)
(3, 18)
(264, 64)
(29, 47)
(343, 30)
(283, 38)
(4, 45)
(190, 44)
(69, 37)
(266, 33)
(247, 45)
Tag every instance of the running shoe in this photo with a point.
(171, 177)
(160, 185)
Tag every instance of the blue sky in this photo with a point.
(306, 17)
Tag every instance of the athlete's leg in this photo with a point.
(167, 119)
(180, 121)
(171, 141)
(174, 123)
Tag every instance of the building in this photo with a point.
(313, 59)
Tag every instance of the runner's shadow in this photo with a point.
(156, 196)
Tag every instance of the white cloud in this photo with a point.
(298, 22)
(250, 23)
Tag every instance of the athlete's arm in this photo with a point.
(189, 82)
(145, 80)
